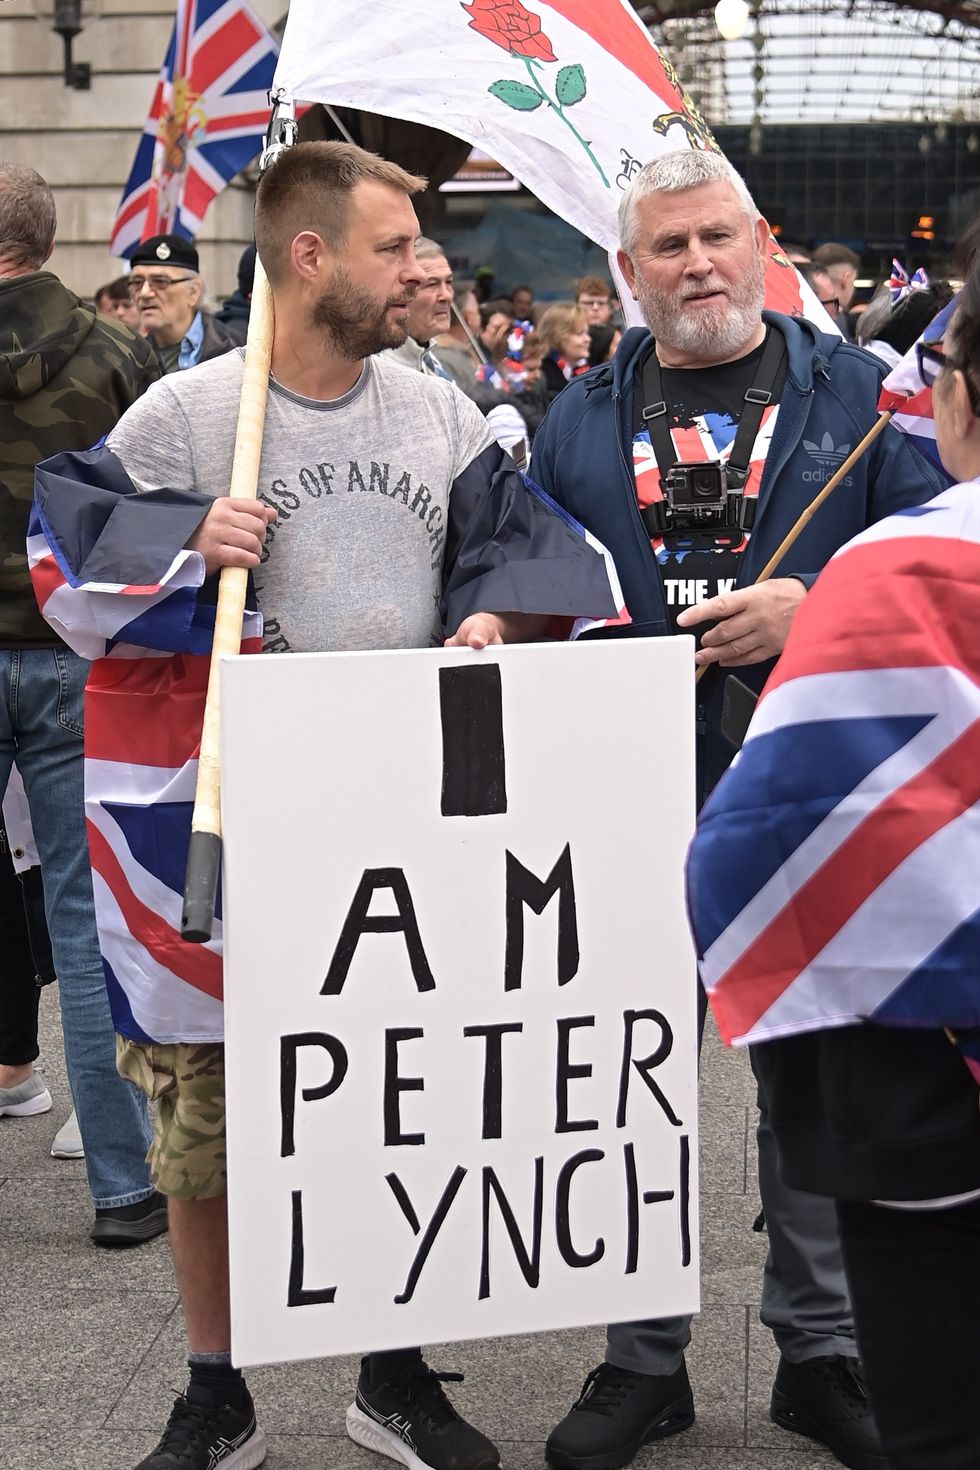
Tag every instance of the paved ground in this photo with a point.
(91, 1345)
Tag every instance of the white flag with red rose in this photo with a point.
(571, 96)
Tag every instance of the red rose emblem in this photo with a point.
(508, 24)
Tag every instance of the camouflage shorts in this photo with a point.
(187, 1081)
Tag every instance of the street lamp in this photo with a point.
(731, 18)
(65, 18)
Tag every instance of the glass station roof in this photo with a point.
(817, 61)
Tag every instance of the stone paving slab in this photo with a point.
(72, 1353)
(724, 1130)
(59, 1209)
(732, 1252)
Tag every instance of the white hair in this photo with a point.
(685, 168)
(426, 249)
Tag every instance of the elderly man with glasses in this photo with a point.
(167, 288)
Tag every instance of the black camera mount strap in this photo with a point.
(654, 413)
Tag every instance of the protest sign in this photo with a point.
(461, 1035)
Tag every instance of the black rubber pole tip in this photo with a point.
(200, 887)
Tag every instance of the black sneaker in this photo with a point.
(122, 1225)
(203, 1436)
(617, 1412)
(411, 1420)
(826, 1399)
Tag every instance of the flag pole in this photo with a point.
(204, 854)
(807, 515)
(474, 342)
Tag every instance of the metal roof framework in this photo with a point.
(812, 61)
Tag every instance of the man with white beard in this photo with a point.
(690, 457)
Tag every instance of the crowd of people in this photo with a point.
(505, 349)
(502, 350)
(463, 386)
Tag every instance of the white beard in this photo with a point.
(714, 332)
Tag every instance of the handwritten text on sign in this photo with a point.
(460, 993)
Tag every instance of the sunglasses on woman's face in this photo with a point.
(932, 361)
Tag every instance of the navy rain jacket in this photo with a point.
(583, 458)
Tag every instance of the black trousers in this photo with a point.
(915, 1284)
(25, 960)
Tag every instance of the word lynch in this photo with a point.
(525, 1246)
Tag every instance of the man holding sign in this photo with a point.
(692, 456)
(386, 516)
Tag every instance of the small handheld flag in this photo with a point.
(909, 399)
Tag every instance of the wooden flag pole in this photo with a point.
(204, 855)
(811, 510)
(819, 499)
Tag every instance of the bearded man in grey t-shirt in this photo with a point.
(387, 516)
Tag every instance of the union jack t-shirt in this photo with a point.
(704, 407)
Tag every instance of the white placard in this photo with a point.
(478, 1117)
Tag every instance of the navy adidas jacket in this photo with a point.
(583, 458)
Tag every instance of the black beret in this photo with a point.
(166, 250)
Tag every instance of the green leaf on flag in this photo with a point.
(570, 87)
(517, 95)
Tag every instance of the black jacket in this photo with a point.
(221, 337)
(234, 310)
(553, 378)
(872, 1112)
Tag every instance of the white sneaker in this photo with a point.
(68, 1140)
(26, 1099)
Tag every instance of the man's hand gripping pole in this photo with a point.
(204, 855)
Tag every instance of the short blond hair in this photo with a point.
(559, 322)
(309, 188)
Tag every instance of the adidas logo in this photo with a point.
(827, 453)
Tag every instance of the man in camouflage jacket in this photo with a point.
(66, 376)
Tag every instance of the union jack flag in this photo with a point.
(835, 877)
(910, 400)
(207, 121)
(143, 714)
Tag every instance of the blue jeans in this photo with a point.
(41, 700)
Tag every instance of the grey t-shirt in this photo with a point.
(361, 484)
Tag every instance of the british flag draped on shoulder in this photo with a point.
(150, 642)
(835, 875)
